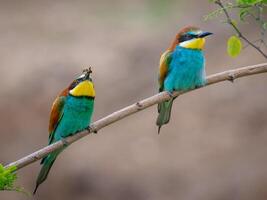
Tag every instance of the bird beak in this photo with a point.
(204, 34)
(86, 73)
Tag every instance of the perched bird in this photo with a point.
(71, 111)
(182, 67)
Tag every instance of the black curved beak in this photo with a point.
(204, 34)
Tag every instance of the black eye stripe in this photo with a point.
(77, 81)
(186, 37)
(73, 84)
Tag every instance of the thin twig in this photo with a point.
(261, 22)
(239, 33)
(263, 29)
(229, 75)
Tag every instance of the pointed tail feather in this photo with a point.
(47, 164)
(164, 110)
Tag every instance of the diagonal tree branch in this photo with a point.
(229, 75)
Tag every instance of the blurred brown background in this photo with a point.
(215, 146)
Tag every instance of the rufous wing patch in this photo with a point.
(164, 66)
(57, 111)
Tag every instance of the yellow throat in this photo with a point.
(85, 88)
(197, 43)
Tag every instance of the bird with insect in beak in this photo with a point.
(181, 68)
(71, 112)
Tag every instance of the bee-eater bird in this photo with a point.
(182, 67)
(71, 112)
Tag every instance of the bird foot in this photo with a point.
(91, 130)
(198, 86)
(65, 142)
(170, 94)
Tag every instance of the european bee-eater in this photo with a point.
(182, 67)
(71, 111)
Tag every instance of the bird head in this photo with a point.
(191, 38)
(83, 86)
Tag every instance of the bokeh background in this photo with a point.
(215, 146)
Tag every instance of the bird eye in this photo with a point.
(73, 84)
(186, 37)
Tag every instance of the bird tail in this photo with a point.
(164, 110)
(47, 162)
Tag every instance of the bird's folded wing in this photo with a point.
(164, 62)
(56, 113)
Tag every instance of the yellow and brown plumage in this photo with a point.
(181, 67)
(71, 112)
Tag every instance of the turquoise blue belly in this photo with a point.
(186, 70)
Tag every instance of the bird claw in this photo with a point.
(198, 86)
(91, 130)
(65, 142)
(170, 94)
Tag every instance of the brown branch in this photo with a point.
(239, 33)
(229, 75)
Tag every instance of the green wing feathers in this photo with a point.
(47, 163)
(164, 110)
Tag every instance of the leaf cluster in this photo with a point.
(246, 9)
(8, 178)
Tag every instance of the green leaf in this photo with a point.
(234, 46)
(264, 26)
(248, 2)
(244, 12)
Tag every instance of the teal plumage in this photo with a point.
(77, 116)
(182, 67)
(71, 111)
(186, 70)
